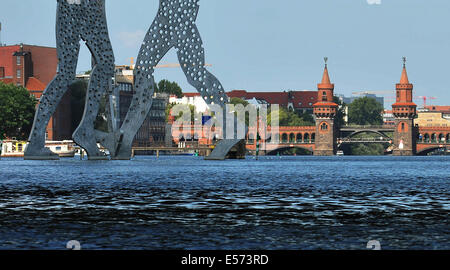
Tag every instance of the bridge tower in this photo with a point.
(325, 111)
(404, 111)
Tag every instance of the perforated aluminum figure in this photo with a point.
(76, 20)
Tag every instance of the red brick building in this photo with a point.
(34, 67)
(441, 109)
(302, 101)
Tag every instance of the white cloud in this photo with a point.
(374, 2)
(132, 39)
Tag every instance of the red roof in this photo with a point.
(191, 94)
(299, 99)
(305, 98)
(328, 104)
(404, 104)
(445, 109)
(34, 84)
(326, 76)
(404, 78)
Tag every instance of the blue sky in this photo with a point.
(276, 45)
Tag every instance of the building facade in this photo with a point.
(34, 67)
(194, 99)
(153, 130)
(444, 110)
(431, 119)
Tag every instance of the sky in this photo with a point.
(279, 45)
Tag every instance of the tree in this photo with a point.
(171, 88)
(291, 118)
(365, 111)
(176, 117)
(17, 109)
(235, 101)
(340, 114)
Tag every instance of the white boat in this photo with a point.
(340, 153)
(15, 148)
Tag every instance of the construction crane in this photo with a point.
(361, 93)
(425, 98)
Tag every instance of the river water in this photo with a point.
(185, 202)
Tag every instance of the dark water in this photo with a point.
(189, 203)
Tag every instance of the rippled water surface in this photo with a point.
(188, 203)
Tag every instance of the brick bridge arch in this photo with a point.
(287, 147)
(426, 150)
(430, 139)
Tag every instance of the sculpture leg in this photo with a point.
(85, 135)
(68, 57)
(154, 48)
(192, 60)
(98, 42)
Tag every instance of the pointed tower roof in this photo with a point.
(404, 78)
(325, 93)
(404, 90)
(404, 81)
(326, 82)
(326, 77)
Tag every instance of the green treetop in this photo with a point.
(365, 111)
(17, 109)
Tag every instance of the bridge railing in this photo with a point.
(368, 127)
(381, 139)
(433, 142)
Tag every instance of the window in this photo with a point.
(19, 73)
(2, 72)
(403, 126)
(324, 126)
(324, 96)
(18, 60)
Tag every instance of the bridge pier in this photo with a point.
(325, 111)
(404, 111)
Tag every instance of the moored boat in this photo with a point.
(16, 149)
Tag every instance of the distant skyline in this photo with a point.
(262, 45)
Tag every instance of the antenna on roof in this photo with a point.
(1, 44)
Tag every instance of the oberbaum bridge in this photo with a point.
(325, 139)
(174, 27)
